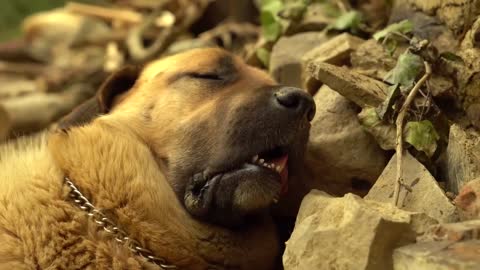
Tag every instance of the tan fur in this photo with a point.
(111, 161)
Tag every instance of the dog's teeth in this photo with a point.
(275, 200)
(278, 169)
(261, 161)
(255, 158)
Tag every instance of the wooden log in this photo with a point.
(37, 111)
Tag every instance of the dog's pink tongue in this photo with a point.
(282, 162)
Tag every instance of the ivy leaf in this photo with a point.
(271, 26)
(403, 27)
(406, 70)
(422, 135)
(382, 132)
(347, 21)
(451, 57)
(387, 105)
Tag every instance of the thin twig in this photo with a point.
(399, 124)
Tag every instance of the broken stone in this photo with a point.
(335, 51)
(468, 201)
(336, 141)
(441, 255)
(461, 231)
(349, 233)
(371, 59)
(362, 90)
(463, 157)
(286, 57)
(423, 194)
(455, 14)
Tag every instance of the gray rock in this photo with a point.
(286, 57)
(349, 233)
(463, 157)
(425, 194)
(340, 151)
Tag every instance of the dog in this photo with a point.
(174, 165)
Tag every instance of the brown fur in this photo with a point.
(119, 155)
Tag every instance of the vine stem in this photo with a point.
(399, 124)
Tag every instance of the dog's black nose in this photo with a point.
(296, 101)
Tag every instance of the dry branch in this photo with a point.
(399, 124)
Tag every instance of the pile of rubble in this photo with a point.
(394, 146)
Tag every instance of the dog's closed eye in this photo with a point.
(205, 76)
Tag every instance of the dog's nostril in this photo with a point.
(296, 101)
(287, 99)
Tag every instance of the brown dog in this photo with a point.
(183, 157)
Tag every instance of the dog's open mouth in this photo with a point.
(249, 187)
(277, 161)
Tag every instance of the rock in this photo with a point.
(425, 194)
(461, 231)
(371, 59)
(286, 56)
(349, 233)
(468, 201)
(463, 157)
(337, 140)
(442, 255)
(34, 112)
(362, 90)
(455, 14)
(335, 51)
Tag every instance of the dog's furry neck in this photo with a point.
(117, 171)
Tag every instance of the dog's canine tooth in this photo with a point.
(255, 158)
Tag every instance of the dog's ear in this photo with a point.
(117, 83)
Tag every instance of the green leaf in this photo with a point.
(422, 135)
(271, 26)
(406, 70)
(387, 105)
(382, 132)
(264, 56)
(451, 57)
(403, 27)
(369, 118)
(347, 21)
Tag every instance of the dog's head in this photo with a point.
(225, 134)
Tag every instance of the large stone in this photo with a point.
(341, 154)
(463, 157)
(335, 51)
(423, 194)
(349, 233)
(361, 89)
(468, 201)
(286, 57)
(442, 255)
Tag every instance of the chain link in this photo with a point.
(110, 227)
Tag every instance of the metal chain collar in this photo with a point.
(110, 227)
